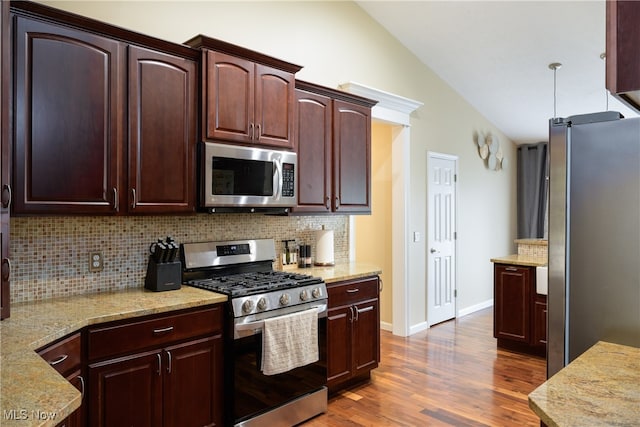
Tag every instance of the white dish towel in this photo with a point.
(289, 341)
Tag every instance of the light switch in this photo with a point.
(416, 236)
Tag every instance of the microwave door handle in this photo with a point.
(277, 179)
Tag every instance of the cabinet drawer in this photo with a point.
(65, 355)
(118, 339)
(344, 293)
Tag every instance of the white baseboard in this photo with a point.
(386, 326)
(418, 328)
(477, 307)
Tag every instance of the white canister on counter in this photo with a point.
(324, 247)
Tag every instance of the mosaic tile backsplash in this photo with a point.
(50, 255)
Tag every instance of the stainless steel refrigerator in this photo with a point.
(594, 235)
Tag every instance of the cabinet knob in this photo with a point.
(6, 196)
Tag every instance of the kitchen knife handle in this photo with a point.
(115, 199)
(134, 202)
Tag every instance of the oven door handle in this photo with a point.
(260, 323)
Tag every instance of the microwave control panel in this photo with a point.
(288, 180)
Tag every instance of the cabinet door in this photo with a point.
(512, 295)
(366, 336)
(193, 384)
(68, 115)
(162, 132)
(352, 158)
(229, 97)
(339, 351)
(540, 322)
(126, 391)
(313, 141)
(274, 107)
(76, 419)
(5, 135)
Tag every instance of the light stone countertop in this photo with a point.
(32, 393)
(339, 272)
(524, 260)
(599, 388)
(31, 388)
(539, 242)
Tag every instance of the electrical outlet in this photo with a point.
(96, 262)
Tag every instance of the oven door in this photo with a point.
(236, 176)
(255, 393)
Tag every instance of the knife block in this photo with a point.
(165, 276)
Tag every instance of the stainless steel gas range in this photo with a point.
(260, 298)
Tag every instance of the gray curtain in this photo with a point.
(533, 170)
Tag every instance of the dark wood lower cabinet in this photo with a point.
(353, 331)
(171, 375)
(520, 314)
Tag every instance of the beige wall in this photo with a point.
(337, 42)
(373, 232)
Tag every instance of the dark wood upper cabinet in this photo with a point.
(623, 57)
(333, 141)
(247, 97)
(105, 119)
(352, 157)
(5, 144)
(315, 151)
(162, 130)
(68, 119)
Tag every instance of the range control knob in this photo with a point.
(316, 293)
(247, 306)
(262, 304)
(304, 295)
(284, 299)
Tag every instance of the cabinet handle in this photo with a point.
(6, 269)
(59, 360)
(82, 387)
(511, 268)
(134, 202)
(6, 201)
(259, 132)
(352, 314)
(381, 284)
(162, 330)
(337, 203)
(327, 203)
(159, 364)
(168, 362)
(251, 131)
(115, 198)
(353, 291)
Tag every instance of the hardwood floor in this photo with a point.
(450, 375)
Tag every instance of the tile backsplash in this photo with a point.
(50, 255)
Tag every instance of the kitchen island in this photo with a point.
(600, 387)
(32, 393)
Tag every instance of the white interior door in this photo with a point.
(441, 237)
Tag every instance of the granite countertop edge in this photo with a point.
(600, 387)
(31, 390)
(32, 393)
(523, 260)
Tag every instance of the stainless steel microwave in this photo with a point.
(247, 178)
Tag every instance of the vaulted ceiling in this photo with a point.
(496, 54)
